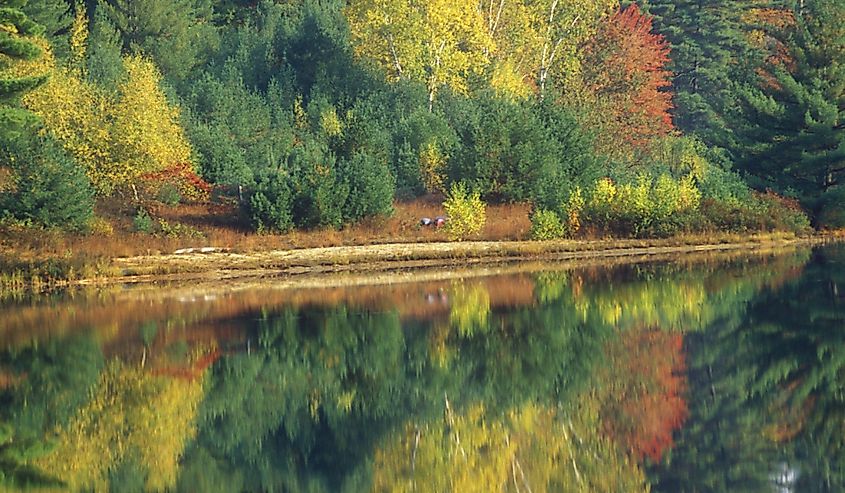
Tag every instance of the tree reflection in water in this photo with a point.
(718, 376)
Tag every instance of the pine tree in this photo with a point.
(16, 44)
(55, 16)
(710, 49)
(792, 133)
(176, 34)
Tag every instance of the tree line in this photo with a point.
(633, 119)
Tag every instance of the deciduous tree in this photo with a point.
(437, 42)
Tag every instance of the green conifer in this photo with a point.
(16, 45)
(792, 134)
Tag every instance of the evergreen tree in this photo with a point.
(792, 133)
(177, 34)
(104, 65)
(56, 18)
(48, 188)
(16, 44)
(709, 46)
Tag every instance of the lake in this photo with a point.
(718, 372)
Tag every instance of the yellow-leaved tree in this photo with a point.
(437, 42)
(537, 38)
(117, 137)
(146, 135)
(564, 26)
(132, 415)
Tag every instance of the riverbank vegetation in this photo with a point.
(327, 120)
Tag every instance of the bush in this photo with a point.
(831, 212)
(546, 225)
(46, 187)
(425, 143)
(269, 207)
(142, 222)
(371, 187)
(761, 212)
(466, 213)
(318, 193)
(644, 207)
(169, 194)
(515, 151)
(572, 211)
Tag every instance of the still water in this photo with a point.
(718, 373)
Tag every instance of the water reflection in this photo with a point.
(720, 375)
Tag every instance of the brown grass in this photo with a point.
(222, 226)
(38, 260)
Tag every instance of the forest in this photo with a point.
(601, 117)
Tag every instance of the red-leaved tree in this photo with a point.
(645, 399)
(625, 70)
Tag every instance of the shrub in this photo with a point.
(466, 212)
(169, 194)
(178, 230)
(318, 192)
(46, 186)
(143, 222)
(644, 207)
(546, 225)
(371, 187)
(269, 207)
(424, 144)
(761, 212)
(832, 208)
(515, 151)
(100, 226)
(572, 211)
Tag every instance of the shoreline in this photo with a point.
(212, 264)
(195, 265)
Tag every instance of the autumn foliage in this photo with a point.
(626, 70)
(647, 402)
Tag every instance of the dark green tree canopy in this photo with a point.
(15, 45)
(791, 136)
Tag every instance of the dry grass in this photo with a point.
(37, 259)
(222, 226)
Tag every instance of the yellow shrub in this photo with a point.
(432, 167)
(466, 213)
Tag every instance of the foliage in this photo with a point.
(269, 208)
(625, 71)
(790, 135)
(465, 212)
(130, 414)
(761, 212)
(424, 143)
(437, 42)
(519, 151)
(476, 452)
(143, 222)
(712, 54)
(645, 206)
(371, 187)
(146, 130)
(17, 46)
(177, 35)
(47, 187)
(470, 308)
(119, 139)
(546, 225)
(645, 404)
(56, 18)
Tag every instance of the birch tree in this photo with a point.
(440, 43)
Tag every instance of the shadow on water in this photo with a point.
(699, 374)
